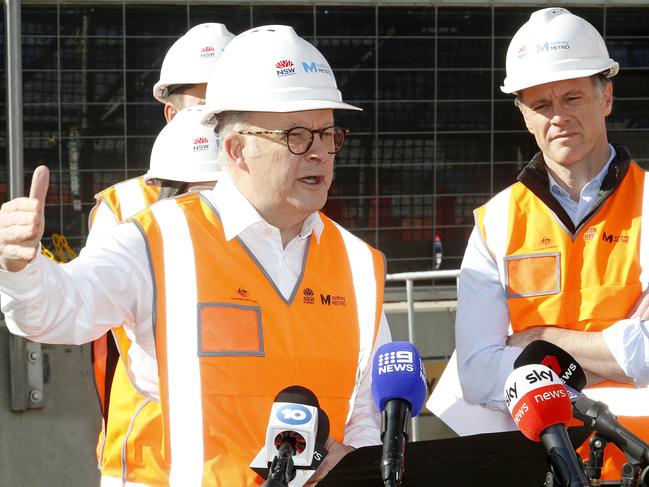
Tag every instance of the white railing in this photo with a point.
(410, 278)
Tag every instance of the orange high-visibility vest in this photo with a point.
(227, 341)
(130, 443)
(586, 280)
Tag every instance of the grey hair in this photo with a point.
(225, 124)
(600, 81)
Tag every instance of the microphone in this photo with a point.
(596, 415)
(540, 406)
(593, 413)
(399, 391)
(560, 361)
(296, 434)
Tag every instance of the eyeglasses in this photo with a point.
(300, 139)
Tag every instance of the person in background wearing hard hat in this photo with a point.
(235, 293)
(182, 84)
(186, 66)
(557, 255)
(183, 158)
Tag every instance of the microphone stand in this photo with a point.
(595, 459)
(282, 470)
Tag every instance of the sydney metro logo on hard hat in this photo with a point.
(285, 67)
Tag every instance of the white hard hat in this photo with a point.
(271, 69)
(555, 45)
(185, 150)
(191, 58)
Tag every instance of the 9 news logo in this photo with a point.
(294, 414)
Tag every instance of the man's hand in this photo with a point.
(22, 222)
(336, 451)
(525, 337)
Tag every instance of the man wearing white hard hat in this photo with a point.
(238, 292)
(557, 255)
(183, 80)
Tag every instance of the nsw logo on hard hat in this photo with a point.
(208, 52)
(201, 144)
(285, 67)
(522, 52)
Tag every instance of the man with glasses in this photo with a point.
(238, 292)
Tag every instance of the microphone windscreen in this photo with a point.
(297, 395)
(536, 399)
(398, 373)
(323, 427)
(560, 361)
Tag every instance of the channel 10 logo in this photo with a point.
(294, 414)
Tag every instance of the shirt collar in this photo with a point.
(237, 213)
(596, 182)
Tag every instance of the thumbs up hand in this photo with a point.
(22, 221)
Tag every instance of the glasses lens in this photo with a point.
(299, 140)
(338, 138)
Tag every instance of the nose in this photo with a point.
(560, 114)
(318, 152)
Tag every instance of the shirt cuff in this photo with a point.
(24, 280)
(628, 342)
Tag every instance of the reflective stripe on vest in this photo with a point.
(184, 389)
(586, 281)
(228, 384)
(130, 197)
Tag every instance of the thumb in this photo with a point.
(40, 182)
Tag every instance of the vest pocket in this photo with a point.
(229, 329)
(532, 274)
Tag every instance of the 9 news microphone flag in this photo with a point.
(399, 390)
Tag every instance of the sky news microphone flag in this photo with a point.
(540, 406)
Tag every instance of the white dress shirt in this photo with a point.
(110, 284)
(482, 321)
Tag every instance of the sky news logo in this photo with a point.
(285, 67)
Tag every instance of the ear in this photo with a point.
(234, 145)
(169, 112)
(608, 99)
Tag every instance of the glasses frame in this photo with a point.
(286, 133)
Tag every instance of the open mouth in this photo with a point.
(312, 180)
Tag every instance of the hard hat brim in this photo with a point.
(179, 176)
(277, 107)
(514, 86)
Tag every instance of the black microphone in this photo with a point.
(597, 416)
(399, 390)
(593, 413)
